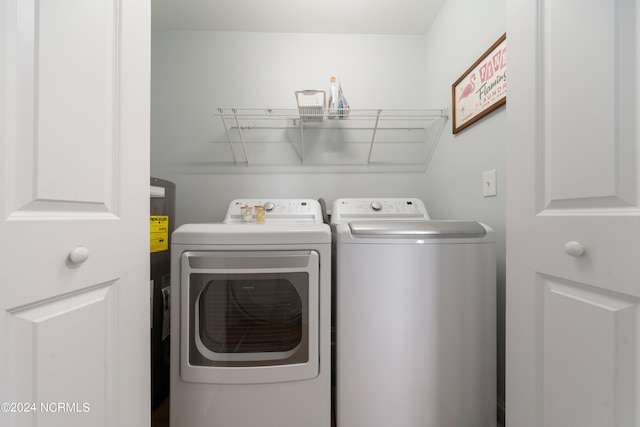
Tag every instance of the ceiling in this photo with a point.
(297, 16)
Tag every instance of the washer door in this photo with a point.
(249, 317)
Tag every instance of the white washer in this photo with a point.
(416, 317)
(251, 319)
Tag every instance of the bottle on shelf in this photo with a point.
(343, 104)
(333, 98)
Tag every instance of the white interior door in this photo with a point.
(74, 200)
(572, 320)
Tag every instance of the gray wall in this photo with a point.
(464, 30)
(195, 72)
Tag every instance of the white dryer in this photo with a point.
(251, 319)
(416, 317)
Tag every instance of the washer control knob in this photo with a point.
(269, 206)
(376, 206)
(79, 255)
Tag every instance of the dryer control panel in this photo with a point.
(278, 210)
(345, 210)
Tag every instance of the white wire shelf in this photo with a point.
(325, 114)
(238, 121)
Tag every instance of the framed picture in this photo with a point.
(482, 88)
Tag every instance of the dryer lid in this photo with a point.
(423, 229)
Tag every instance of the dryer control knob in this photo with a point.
(376, 206)
(269, 206)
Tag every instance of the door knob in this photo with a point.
(79, 255)
(574, 249)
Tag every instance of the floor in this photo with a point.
(160, 416)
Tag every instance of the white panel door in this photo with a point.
(74, 251)
(573, 214)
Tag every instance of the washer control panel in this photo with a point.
(277, 210)
(345, 210)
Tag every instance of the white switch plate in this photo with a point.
(489, 183)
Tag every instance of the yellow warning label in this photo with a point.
(159, 233)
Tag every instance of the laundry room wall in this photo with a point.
(194, 72)
(462, 32)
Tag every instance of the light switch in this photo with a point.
(489, 183)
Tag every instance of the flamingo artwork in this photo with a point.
(468, 89)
